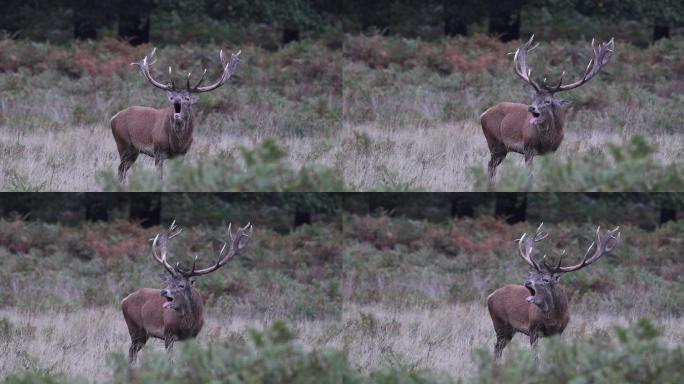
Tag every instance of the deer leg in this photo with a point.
(159, 163)
(502, 339)
(498, 155)
(168, 342)
(137, 342)
(128, 157)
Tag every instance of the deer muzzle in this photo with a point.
(168, 297)
(530, 287)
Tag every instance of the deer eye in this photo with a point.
(547, 102)
(181, 286)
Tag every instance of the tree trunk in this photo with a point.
(667, 214)
(96, 207)
(512, 207)
(290, 34)
(461, 205)
(85, 20)
(661, 32)
(504, 19)
(302, 216)
(454, 21)
(146, 208)
(134, 21)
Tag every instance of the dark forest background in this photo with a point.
(273, 23)
(287, 211)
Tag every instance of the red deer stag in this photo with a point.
(534, 129)
(162, 133)
(175, 312)
(540, 307)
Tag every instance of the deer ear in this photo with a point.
(192, 282)
(557, 277)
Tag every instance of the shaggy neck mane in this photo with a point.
(557, 304)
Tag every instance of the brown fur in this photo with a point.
(507, 128)
(511, 313)
(149, 131)
(146, 317)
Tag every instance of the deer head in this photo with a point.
(182, 98)
(543, 279)
(180, 282)
(545, 105)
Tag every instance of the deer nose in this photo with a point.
(164, 292)
(531, 108)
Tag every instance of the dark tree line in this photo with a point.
(133, 18)
(150, 209)
(503, 18)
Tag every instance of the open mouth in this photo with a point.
(536, 114)
(177, 107)
(168, 302)
(532, 292)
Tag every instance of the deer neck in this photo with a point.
(190, 311)
(557, 305)
(180, 131)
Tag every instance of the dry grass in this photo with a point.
(439, 157)
(444, 339)
(369, 156)
(79, 343)
(71, 160)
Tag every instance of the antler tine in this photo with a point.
(525, 248)
(601, 246)
(228, 70)
(162, 247)
(601, 54)
(234, 243)
(144, 66)
(201, 79)
(520, 65)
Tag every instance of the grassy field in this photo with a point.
(387, 299)
(56, 102)
(411, 108)
(384, 113)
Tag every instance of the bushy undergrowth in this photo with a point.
(410, 83)
(409, 263)
(630, 355)
(52, 267)
(631, 168)
(265, 169)
(294, 91)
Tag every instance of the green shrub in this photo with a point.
(631, 355)
(265, 169)
(632, 168)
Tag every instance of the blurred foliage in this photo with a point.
(265, 169)
(289, 275)
(632, 168)
(405, 263)
(630, 355)
(293, 92)
(633, 354)
(176, 21)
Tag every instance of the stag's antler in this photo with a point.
(520, 63)
(526, 246)
(145, 64)
(600, 57)
(235, 245)
(172, 232)
(601, 246)
(228, 70)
